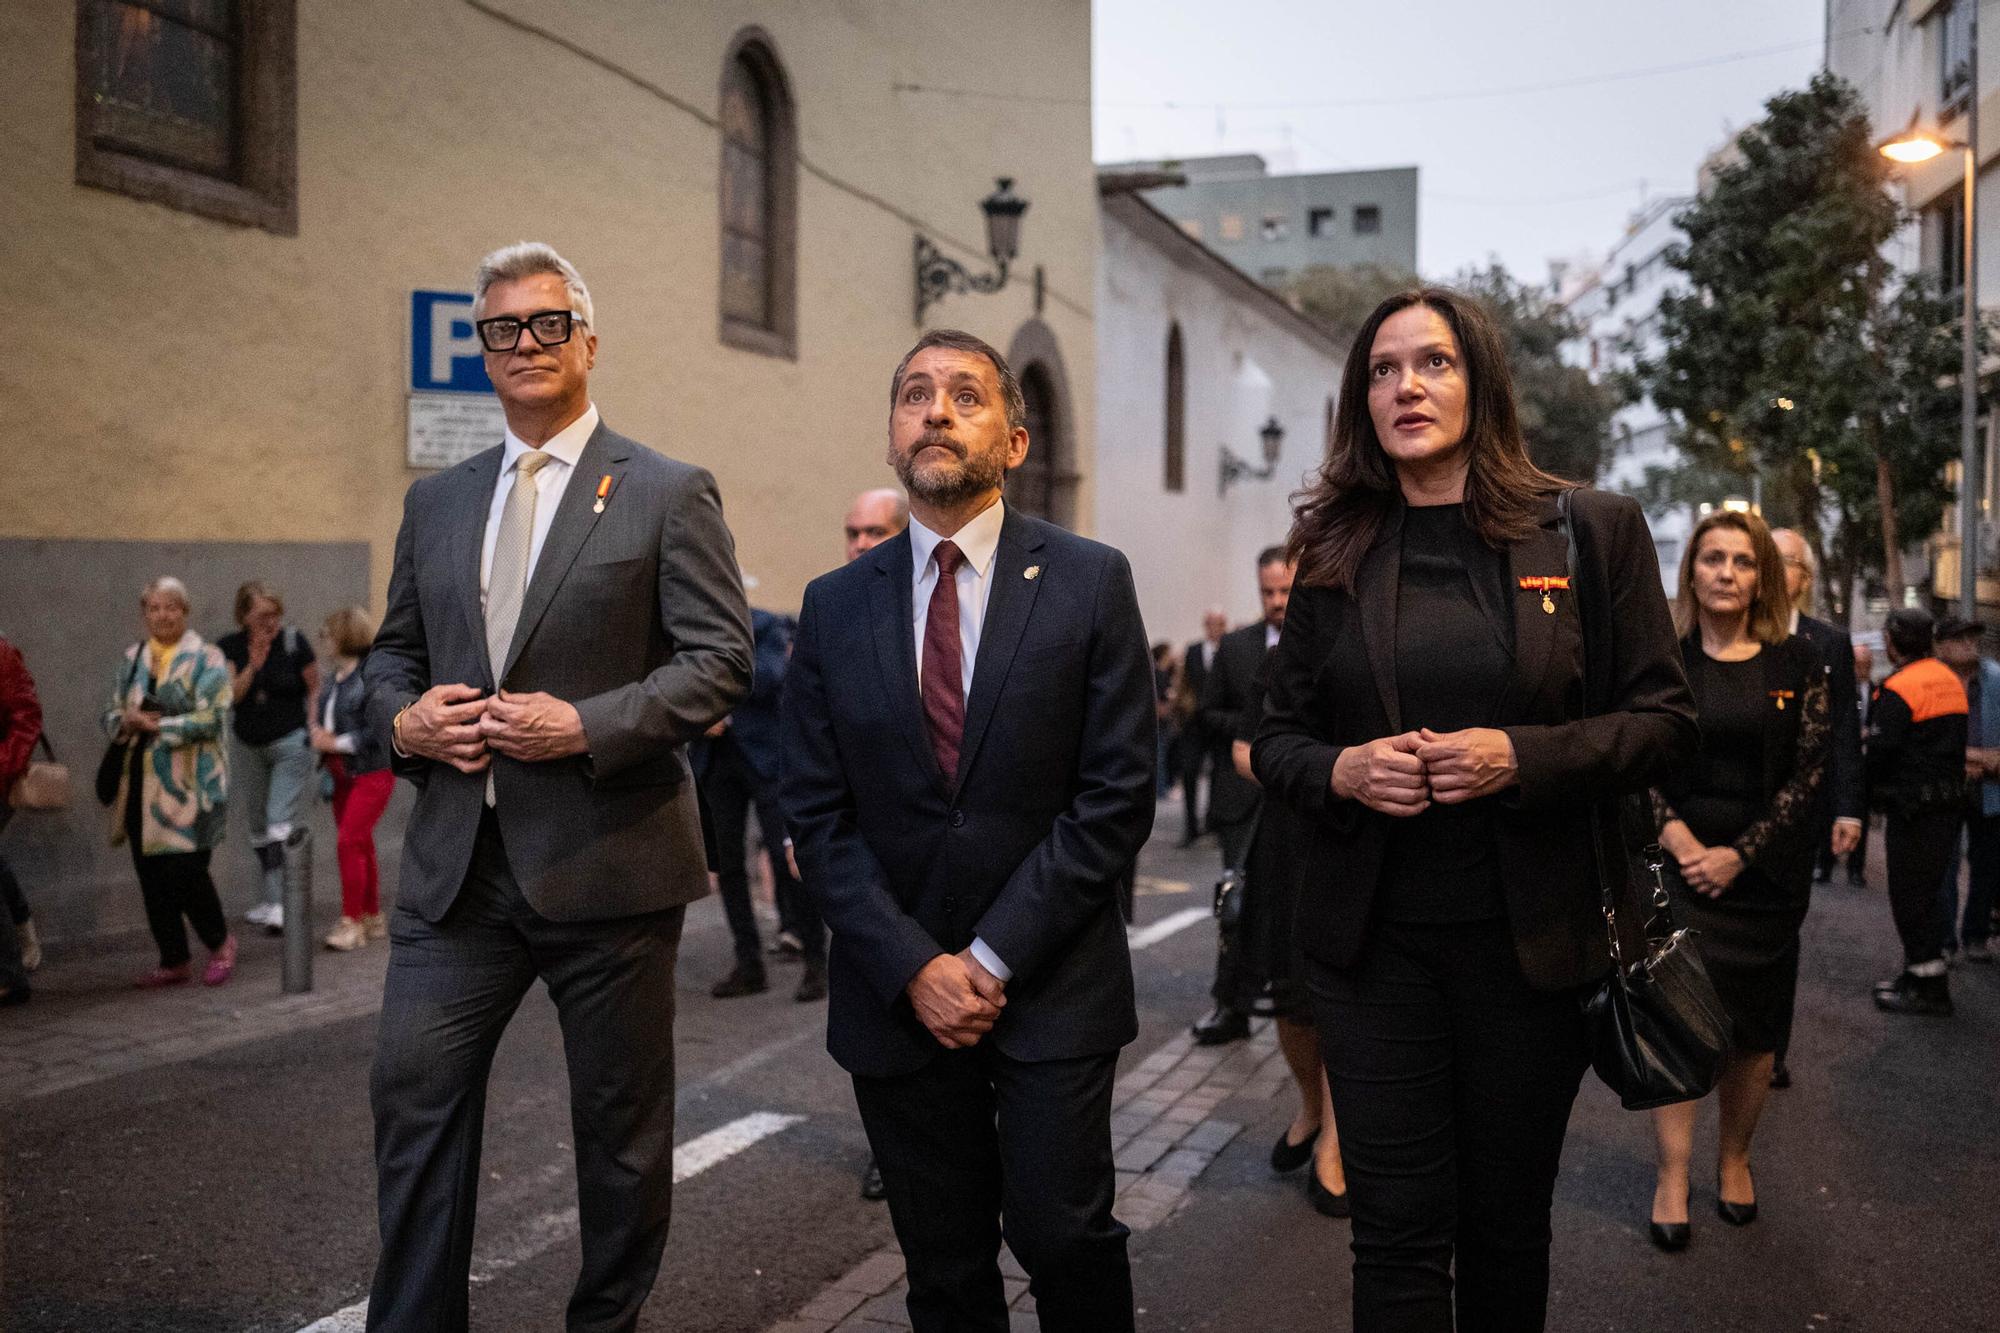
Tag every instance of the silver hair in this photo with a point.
(171, 586)
(527, 259)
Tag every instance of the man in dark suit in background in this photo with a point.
(1841, 808)
(564, 615)
(969, 777)
(736, 770)
(1233, 798)
(1198, 748)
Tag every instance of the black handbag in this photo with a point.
(111, 767)
(1657, 1030)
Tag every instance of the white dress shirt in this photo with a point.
(979, 542)
(563, 449)
(1271, 633)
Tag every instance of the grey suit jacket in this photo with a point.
(635, 615)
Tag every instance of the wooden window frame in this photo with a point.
(265, 193)
(779, 337)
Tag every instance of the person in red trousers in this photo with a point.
(362, 779)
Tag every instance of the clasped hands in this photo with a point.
(1709, 871)
(462, 726)
(957, 999)
(1402, 775)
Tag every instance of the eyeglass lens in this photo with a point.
(550, 327)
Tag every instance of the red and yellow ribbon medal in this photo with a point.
(603, 493)
(1781, 696)
(1545, 584)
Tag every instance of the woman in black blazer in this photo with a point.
(1737, 820)
(1429, 716)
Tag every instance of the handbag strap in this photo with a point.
(48, 749)
(1653, 855)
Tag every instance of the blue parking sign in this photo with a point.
(444, 348)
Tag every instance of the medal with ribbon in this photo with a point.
(1545, 584)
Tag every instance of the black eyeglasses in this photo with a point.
(502, 333)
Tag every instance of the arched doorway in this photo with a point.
(1045, 485)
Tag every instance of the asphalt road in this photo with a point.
(234, 1192)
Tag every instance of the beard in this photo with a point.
(945, 484)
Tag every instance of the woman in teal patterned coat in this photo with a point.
(172, 704)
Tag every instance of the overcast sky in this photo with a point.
(1532, 124)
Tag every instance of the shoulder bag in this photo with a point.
(1658, 1032)
(45, 786)
(111, 767)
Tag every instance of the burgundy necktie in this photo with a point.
(944, 674)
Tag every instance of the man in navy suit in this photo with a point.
(736, 770)
(968, 778)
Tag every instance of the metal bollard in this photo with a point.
(298, 974)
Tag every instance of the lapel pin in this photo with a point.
(1781, 696)
(603, 492)
(1544, 584)
(1032, 572)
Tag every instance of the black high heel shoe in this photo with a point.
(1288, 1156)
(1736, 1214)
(1672, 1237)
(1324, 1200)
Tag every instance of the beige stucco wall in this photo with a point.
(185, 393)
(188, 379)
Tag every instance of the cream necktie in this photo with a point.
(507, 578)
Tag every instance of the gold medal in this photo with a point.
(1548, 604)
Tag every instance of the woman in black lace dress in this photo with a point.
(1737, 824)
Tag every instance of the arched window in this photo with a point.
(759, 273)
(1034, 486)
(1176, 412)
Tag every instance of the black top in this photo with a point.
(1725, 785)
(1452, 660)
(275, 704)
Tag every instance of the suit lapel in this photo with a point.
(1009, 601)
(470, 509)
(1375, 586)
(893, 617)
(1545, 551)
(576, 516)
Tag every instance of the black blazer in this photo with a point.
(1194, 671)
(1333, 684)
(350, 718)
(1845, 792)
(1239, 659)
(1027, 846)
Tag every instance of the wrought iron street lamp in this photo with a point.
(1914, 146)
(1234, 468)
(938, 274)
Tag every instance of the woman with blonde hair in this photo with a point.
(171, 707)
(362, 779)
(275, 678)
(1737, 821)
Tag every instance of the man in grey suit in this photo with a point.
(565, 613)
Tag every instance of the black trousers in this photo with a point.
(1195, 755)
(174, 885)
(732, 791)
(974, 1141)
(450, 991)
(1917, 848)
(13, 913)
(1452, 1080)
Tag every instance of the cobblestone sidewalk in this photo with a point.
(1164, 1134)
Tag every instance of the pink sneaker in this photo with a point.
(221, 964)
(163, 976)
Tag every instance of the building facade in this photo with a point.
(242, 243)
(1617, 303)
(1910, 61)
(1273, 227)
(1194, 361)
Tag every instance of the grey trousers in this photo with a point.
(451, 989)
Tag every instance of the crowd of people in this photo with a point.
(953, 756)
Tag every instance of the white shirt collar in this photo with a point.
(1794, 629)
(566, 445)
(977, 540)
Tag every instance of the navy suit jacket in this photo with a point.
(754, 726)
(1026, 846)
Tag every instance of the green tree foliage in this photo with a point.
(1793, 355)
(1564, 416)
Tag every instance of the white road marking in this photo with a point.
(1147, 936)
(544, 1233)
